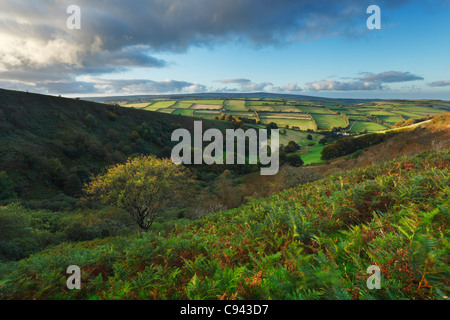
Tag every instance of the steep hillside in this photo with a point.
(431, 135)
(312, 242)
(49, 145)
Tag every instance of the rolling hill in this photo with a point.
(386, 205)
(315, 241)
(50, 145)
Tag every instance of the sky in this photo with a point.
(309, 47)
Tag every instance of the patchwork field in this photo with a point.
(235, 105)
(136, 105)
(184, 112)
(160, 105)
(369, 126)
(206, 107)
(298, 114)
(326, 121)
(182, 105)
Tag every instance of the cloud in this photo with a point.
(443, 83)
(244, 85)
(94, 85)
(369, 82)
(292, 87)
(251, 87)
(35, 44)
(236, 81)
(392, 76)
(131, 86)
(332, 85)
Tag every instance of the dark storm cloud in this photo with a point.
(117, 35)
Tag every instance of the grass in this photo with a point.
(182, 105)
(263, 103)
(166, 110)
(206, 114)
(326, 121)
(369, 126)
(137, 105)
(184, 112)
(285, 109)
(387, 111)
(302, 124)
(235, 105)
(308, 109)
(390, 119)
(160, 105)
(423, 111)
(205, 102)
(407, 115)
(262, 108)
(298, 137)
(312, 154)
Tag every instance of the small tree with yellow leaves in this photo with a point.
(144, 187)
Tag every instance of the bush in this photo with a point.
(143, 186)
(6, 187)
(348, 145)
(112, 116)
(294, 160)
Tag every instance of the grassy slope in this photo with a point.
(35, 128)
(315, 241)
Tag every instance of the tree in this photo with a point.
(309, 137)
(295, 160)
(144, 187)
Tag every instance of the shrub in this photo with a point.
(294, 160)
(112, 116)
(6, 187)
(143, 186)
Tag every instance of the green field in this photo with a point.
(298, 137)
(326, 121)
(184, 112)
(422, 111)
(160, 105)
(235, 105)
(284, 108)
(206, 114)
(390, 119)
(308, 109)
(211, 102)
(263, 103)
(166, 110)
(369, 126)
(291, 112)
(137, 105)
(182, 105)
(312, 154)
(262, 108)
(302, 124)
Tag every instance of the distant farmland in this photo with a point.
(297, 117)
(312, 115)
